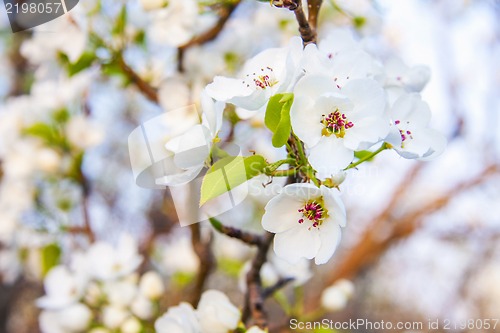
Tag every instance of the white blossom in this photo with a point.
(306, 221)
(216, 313)
(334, 122)
(410, 135)
(178, 319)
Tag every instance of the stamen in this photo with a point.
(336, 123)
(313, 211)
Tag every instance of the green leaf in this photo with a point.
(51, 254)
(121, 22)
(228, 173)
(277, 118)
(42, 131)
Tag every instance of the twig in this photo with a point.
(371, 246)
(209, 35)
(313, 7)
(204, 252)
(246, 237)
(307, 33)
(254, 298)
(269, 291)
(150, 92)
(84, 183)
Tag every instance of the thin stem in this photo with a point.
(368, 157)
(308, 35)
(284, 173)
(313, 7)
(245, 237)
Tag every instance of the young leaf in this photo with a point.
(50, 257)
(277, 118)
(228, 173)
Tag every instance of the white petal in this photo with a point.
(330, 238)
(313, 86)
(297, 243)
(335, 206)
(193, 147)
(281, 213)
(223, 88)
(438, 145)
(367, 96)
(329, 156)
(410, 108)
(305, 121)
(350, 65)
(366, 132)
(302, 191)
(212, 113)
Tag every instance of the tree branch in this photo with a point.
(254, 298)
(204, 252)
(246, 237)
(307, 33)
(144, 87)
(209, 35)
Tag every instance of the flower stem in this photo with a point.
(368, 157)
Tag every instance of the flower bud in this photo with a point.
(335, 297)
(131, 325)
(151, 285)
(114, 316)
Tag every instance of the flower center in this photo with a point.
(261, 80)
(314, 210)
(405, 133)
(335, 123)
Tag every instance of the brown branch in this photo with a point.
(85, 185)
(254, 298)
(371, 245)
(204, 252)
(209, 35)
(313, 7)
(246, 237)
(269, 291)
(307, 33)
(144, 87)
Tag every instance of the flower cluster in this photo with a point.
(344, 102)
(100, 291)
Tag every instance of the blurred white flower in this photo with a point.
(153, 4)
(255, 329)
(131, 325)
(105, 262)
(113, 316)
(71, 40)
(268, 275)
(307, 222)
(178, 319)
(178, 256)
(83, 133)
(335, 297)
(410, 134)
(216, 313)
(300, 271)
(151, 285)
(62, 288)
(75, 318)
(120, 293)
(143, 307)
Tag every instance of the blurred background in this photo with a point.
(422, 237)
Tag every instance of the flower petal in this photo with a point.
(281, 213)
(366, 132)
(297, 243)
(330, 234)
(329, 156)
(305, 122)
(367, 96)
